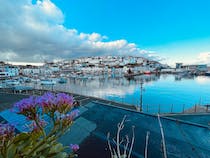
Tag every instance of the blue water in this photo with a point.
(165, 93)
(169, 95)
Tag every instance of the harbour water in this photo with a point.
(163, 93)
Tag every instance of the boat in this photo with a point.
(147, 72)
(130, 74)
(12, 82)
(62, 80)
(207, 73)
(48, 82)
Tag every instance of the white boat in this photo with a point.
(48, 82)
(12, 82)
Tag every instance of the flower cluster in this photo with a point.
(27, 107)
(60, 102)
(67, 119)
(36, 126)
(74, 147)
(7, 131)
(55, 106)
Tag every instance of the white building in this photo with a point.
(31, 71)
(11, 70)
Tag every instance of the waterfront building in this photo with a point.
(168, 70)
(179, 65)
(12, 70)
(31, 71)
(200, 67)
(3, 75)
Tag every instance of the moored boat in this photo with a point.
(207, 73)
(147, 72)
(48, 82)
(12, 82)
(62, 80)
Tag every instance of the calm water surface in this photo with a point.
(160, 93)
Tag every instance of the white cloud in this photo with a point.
(204, 58)
(35, 32)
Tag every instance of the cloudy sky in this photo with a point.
(38, 30)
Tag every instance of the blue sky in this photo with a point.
(147, 22)
(38, 30)
(178, 28)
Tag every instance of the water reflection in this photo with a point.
(202, 79)
(162, 93)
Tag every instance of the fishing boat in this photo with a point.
(12, 82)
(47, 82)
(62, 80)
(130, 74)
(147, 72)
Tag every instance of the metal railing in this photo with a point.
(146, 108)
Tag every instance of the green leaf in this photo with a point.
(24, 146)
(61, 155)
(43, 148)
(11, 151)
(57, 148)
(21, 137)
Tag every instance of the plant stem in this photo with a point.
(146, 146)
(163, 138)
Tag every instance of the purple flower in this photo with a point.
(25, 104)
(74, 147)
(64, 102)
(6, 130)
(37, 127)
(62, 98)
(70, 116)
(27, 107)
(75, 113)
(60, 102)
(67, 119)
(47, 101)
